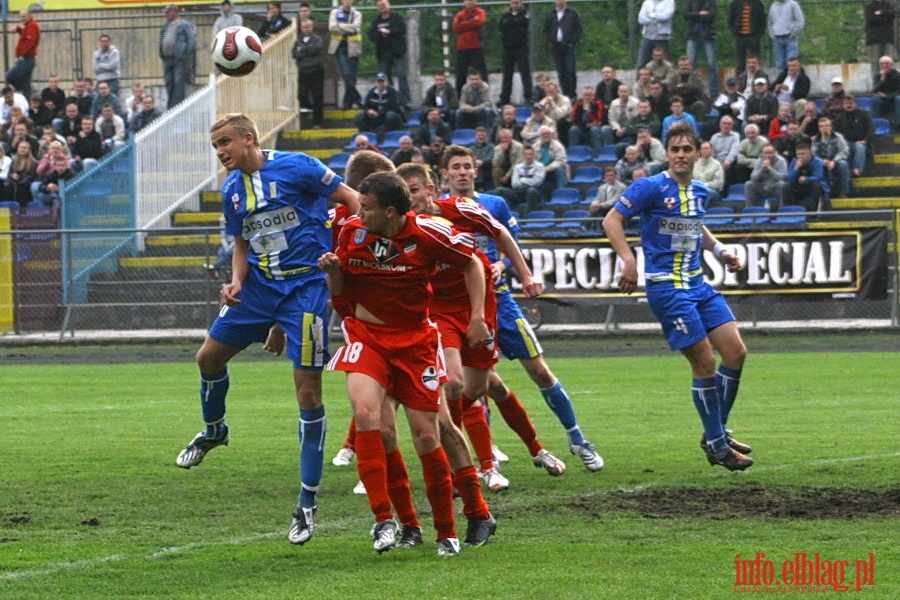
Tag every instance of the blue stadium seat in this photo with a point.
(523, 112)
(882, 126)
(414, 120)
(579, 154)
(557, 234)
(750, 216)
(392, 139)
(530, 226)
(564, 197)
(338, 161)
(864, 102)
(606, 154)
(791, 215)
(719, 216)
(735, 193)
(373, 139)
(820, 104)
(573, 219)
(590, 194)
(587, 176)
(10, 205)
(463, 137)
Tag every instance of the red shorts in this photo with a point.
(408, 363)
(453, 326)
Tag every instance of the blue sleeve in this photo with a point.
(633, 199)
(313, 175)
(233, 224)
(818, 171)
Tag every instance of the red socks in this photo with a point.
(371, 464)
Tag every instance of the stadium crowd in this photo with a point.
(560, 120)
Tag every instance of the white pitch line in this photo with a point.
(825, 461)
(92, 562)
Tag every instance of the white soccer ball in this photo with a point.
(236, 51)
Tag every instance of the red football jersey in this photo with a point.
(391, 277)
(450, 294)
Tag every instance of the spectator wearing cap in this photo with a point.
(228, 18)
(475, 104)
(177, 43)
(382, 107)
(834, 102)
(531, 128)
(762, 105)
(792, 86)
(730, 102)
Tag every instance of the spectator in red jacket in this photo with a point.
(468, 24)
(19, 75)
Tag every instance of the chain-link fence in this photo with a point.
(825, 271)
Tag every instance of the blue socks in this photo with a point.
(559, 402)
(213, 389)
(312, 449)
(706, 400)
(727, 382)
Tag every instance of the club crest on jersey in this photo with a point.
(235, 202)
(669, 202)
(430, 379)
(383, 250)
(358, 236)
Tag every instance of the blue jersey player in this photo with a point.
(517, 339)
(695, 318)
(276, 206)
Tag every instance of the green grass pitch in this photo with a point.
(93, 506)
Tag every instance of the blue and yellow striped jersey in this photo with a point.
(671, 226)
(282, 212)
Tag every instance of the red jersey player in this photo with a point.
(384, 261)
(463, 363)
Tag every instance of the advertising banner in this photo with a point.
(849, 264)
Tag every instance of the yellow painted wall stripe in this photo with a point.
(7, 306)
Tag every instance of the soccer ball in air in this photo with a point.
(236, 51)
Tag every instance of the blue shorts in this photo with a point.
(517, 339)
(687, 315)
(298, 304)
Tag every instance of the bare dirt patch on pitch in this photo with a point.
(750, 500)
